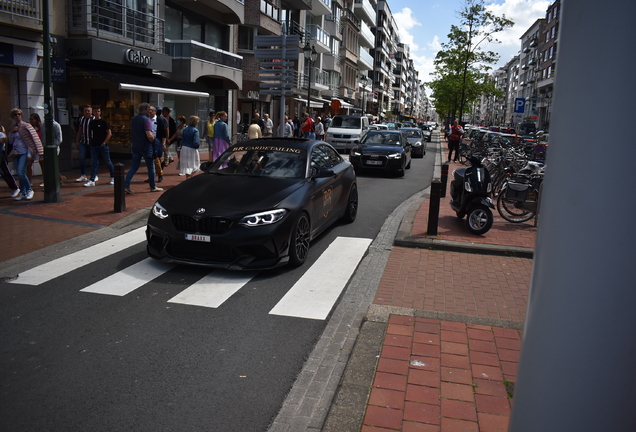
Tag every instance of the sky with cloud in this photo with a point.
(425, 24)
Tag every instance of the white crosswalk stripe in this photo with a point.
(213, 289)
(130, 278)
(49, 271)
(311, 297)
(314, 294)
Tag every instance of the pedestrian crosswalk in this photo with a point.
(311, 297)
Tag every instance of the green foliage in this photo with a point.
(461, 66)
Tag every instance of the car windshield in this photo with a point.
(345, 122)
(265, 161)
(374, 139)
(412, 133)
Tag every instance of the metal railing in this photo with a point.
(270, 9)
(23, 8)
(314, 31)
(190, 49)
(112, 20)
(293, 28)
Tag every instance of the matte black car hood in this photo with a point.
(380, 149)
(226, 195)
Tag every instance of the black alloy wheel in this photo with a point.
(299, 244)
(351, 211)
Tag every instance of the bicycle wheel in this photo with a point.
(512, 210)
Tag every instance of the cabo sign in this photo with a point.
(136, 57)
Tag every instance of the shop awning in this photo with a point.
(148, 83)
(343, 104)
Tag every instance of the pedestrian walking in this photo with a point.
(307, 127)
(100, 133)
(57, 140)
(297, 123)
(189, 160)
(172, 129)
(82, 140)
(254, 131)
(4, 167)
(26, 147)
(268, 126)
(319, 129)
(160, 131)
(142, 147)
(36, 122)
(454, 138)
(209, 132)
(221, 135)
(177, 137)
(288, 128)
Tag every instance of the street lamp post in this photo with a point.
(363, 82)
(310, 58)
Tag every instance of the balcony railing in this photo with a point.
(22, 8)
(111, 20)
(189, 49)
(314, 31)
(293, 28)
(270, 9)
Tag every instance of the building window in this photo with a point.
(246, 38)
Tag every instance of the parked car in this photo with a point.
(346, 131)
(382, 151)
(258, 206)
(417, 139)
(392, 125)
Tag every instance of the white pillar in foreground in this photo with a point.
(578, 361)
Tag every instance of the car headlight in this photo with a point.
(263, 218)
(159, 211)
(395, 156)
(417, 144)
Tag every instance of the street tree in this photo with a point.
(462, 64)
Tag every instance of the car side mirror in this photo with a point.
(321, 172)
(205, 166)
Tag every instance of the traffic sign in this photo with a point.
(520, 105)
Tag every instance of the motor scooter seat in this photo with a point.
(459, 172)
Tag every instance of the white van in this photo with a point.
(346, 131)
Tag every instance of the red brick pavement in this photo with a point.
(443, 376)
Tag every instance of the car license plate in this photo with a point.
(198, 237)
(374, 162)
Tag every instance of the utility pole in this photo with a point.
(576, 371)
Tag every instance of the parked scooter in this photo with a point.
(470, 196)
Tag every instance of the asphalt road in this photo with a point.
(81, 361)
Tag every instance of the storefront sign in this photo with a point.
(58, 69)
(253, 94)
(136, 57)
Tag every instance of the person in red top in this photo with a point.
(307, 127)
(453, 140)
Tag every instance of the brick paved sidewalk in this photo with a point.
(443, 376)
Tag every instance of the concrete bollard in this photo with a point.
(120, 194)
(444, 179)
(433, 208)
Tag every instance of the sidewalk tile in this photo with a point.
(426, 338)
(480, 334)
(390, 381)
(509, 368)
(394, 352)
(426, 327)
(459, 376)
(409, 426)
(454, 348)
(510, 344)
(483, 346)
(492, 423)
(426, 350)
(483, 358)
(455, 361)
(398, 341)
(455, 391)
(402, 320)
(387, 398)
(399, 329)
(423, 377)
(375, 429)
(394, 366)
(506, 333)
(487, 372)
(420, 412)
(453, 336)
(422, 394)
(383, 417)
(508, 355)
(490, 387)
(492, 404)
(458, 409)
(454, 425)
(425, 363)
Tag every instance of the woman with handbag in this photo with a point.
(27, 148)
(189, 160)
(454, 138)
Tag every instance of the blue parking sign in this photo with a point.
(520, 105)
